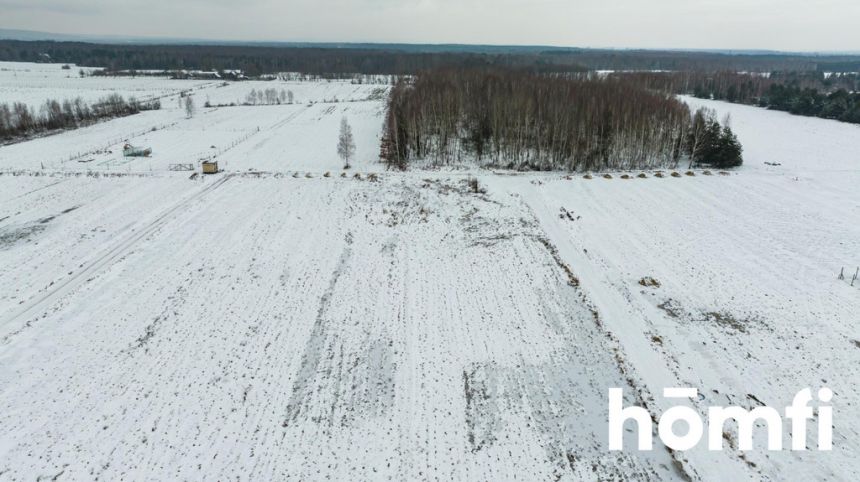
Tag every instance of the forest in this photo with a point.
(526, 121)
(260, 60)
(18, 120)
(813, 94)
(393, 59)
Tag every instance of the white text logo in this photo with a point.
(798, 413)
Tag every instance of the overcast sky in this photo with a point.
(802, 25)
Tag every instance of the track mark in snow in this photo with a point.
(177, 299)
(481, 417)
(13, 235)
(35, 190)
(333, 388)
(312, 358)
(31, 311)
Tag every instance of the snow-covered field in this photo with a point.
(265, 326)
(298, 137)
(33, 84)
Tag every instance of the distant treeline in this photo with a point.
(835, 96)
(653, 60)
(256, 60)
(19, 120)
(525, 121)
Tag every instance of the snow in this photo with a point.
(260, 344)
(303, 92)
(268, 326)
(297, 137)
(33, 84)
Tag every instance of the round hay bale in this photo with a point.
(607, 176)
(708, 173)
(676, 174)
(588, 176)
(690, 173)
(642, 175)
(659, 174)
(626, 176)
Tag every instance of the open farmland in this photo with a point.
(264, 325)
(299, 136)
(33, 84)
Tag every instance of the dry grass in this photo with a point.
(649, 282)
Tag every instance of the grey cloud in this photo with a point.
(770, 24)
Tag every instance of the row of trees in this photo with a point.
(20, 120)
(839, 105)
(711, 144)
(834, 96)
(270, 96)
(521, 120)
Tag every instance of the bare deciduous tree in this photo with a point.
(521, 120)
(345, 143)
(19, 120)
(189, 106)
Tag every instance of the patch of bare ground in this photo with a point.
(732, 322)
(572, 280)
(649, 282)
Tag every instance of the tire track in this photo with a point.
(34, 190)
(27, 314)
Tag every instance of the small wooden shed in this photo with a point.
(210, 167)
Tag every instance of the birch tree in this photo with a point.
(345, 143)
(189, 107)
